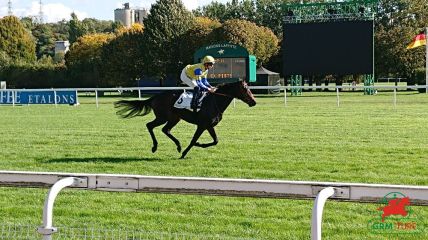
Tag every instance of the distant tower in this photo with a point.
(9, 5)
(41, 12)
(128, 16)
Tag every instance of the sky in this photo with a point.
(56, 10)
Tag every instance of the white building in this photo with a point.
(62, 46)
(128, 16)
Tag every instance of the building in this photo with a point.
(62, 47)
(128, 16)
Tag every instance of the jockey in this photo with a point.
(196, 76)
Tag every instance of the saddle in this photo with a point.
(185, 100)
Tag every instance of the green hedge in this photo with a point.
(420, 78)
(34, 76)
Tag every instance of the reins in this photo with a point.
(222, 94)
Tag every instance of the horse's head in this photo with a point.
(405, 201)
(244, 93)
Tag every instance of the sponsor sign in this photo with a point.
(395, 216)
(38, 97)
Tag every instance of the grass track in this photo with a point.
(365, 140)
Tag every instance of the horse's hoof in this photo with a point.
(154, 149)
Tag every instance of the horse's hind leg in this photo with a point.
(213, 135)
(167, 130)
(195, 138)
(150, 126)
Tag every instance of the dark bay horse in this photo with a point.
(213, 106)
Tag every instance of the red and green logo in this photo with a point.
(395, 216)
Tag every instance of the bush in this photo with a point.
(24, 75)
(419, 77)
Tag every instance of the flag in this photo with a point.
(419, 40)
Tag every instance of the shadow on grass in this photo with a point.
(104, 160)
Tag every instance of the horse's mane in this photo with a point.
(223, 85)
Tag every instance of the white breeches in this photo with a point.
(189, 82)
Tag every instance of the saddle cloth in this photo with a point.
(185, 100)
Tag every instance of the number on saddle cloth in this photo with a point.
(185, 100)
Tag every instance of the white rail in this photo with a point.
(357, 192)
(280, 88)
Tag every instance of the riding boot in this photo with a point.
(194, 103)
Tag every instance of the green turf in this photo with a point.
(367, 139)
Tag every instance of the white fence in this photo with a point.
(356, 192)
(140, 90)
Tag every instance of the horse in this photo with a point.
(210, 114)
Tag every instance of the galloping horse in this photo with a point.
(213, 106)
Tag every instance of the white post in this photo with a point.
(426, 60)
(13, 98)
(285, 95)
(234, 103)
(77, 98)
(96, 97)
(337, 94)
(47, 229)
(322, 197)
(55, 98)
(395, 97)
(139, 94)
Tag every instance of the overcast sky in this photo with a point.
(56, 10)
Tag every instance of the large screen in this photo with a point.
(328, 48)
(227, 68)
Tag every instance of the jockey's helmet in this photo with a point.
(208, 59)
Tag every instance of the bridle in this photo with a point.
(221, 94)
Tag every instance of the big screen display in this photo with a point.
(328, 48)
(226, 68)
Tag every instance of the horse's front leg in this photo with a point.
(213, 135)
(167, 130)
(195, 138)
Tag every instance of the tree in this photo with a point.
(260, 41)
(128, 45)
(397, 22)
(167, 21)
(196, 37)
(214, 10)
(76, 28)
(45, 44)
(98, 26)
(84, 59)
(15, 40)
(268, 13)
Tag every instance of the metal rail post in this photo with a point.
(96, 97)
(322, 197)
(56, 104)
(395, 97)
(337, 96)
(285, 95)
(47, 229)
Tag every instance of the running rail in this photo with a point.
(357, 192)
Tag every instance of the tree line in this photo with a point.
(105, 54)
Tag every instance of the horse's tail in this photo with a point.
(133, 108)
